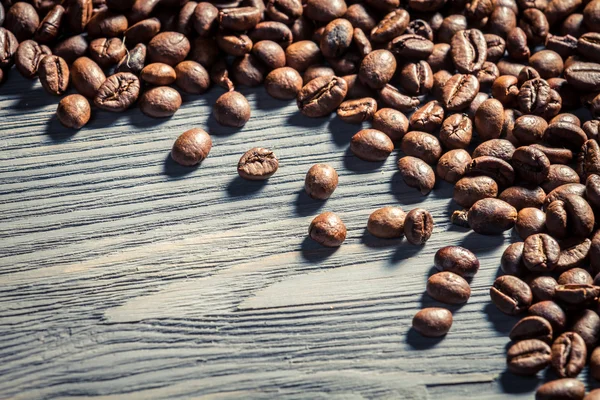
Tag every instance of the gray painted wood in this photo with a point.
(125, 275)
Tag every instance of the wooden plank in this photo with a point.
(124, 274)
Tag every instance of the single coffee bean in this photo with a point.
(530, 221)
(391, 122)
(527, 357)
(118, 92)
(540, 252)
(54, 75)
(371, 145)
(569, 355)
(387, 222)
(422, 145)
(159, 74)
(552, 312)
(595, 366)
(561, 192)
(168, 47)
(502, 21)
(458, 260)
(592, 190)
(440, 79)
(497, 169)
(453, 165)
(543, 287)
(337, 38)
(459, 91)
(428, 118)
(489, 119)
(416, 78)
(577, 294)
(160, 102)
(548, 63)
(301, 55)
(377, 68)
(536, 97)
(283, 83)
(241, 18)
(421, 28)
(559, 175)
(258, 164)
(321, 96)
(247, 70)
(321, 181)
(22, 20)
(565, 46)
(418, 226)
(71, 48)
(567, 388)
(73, 111)
(583, 75)
(587, 324)
(106, 23)
(285, 11)
(588, 160)
(361, 16)
(327, 228)
(575, 276)
(28, 56)
(572, 256)
(78, 14)
(592, 129)
(275, 31)
(495, 47)
(86, 76)
(411, 46)
(107, 52)
(192, 77)
(144, 31)
(392, 25)
(416, 173)
(469, 50)
(499, 148)
(50, 26)
(232, 109)
(491, 216)
(269, 53)
(526, 74)
(134, 61)
(448, 287)
(357, 111)
(440, 58)
(468, 190)
(487, 75)
(564, 134)
(234, 43)
(532, 328)
(451, 25)
(324, 11)
(529, 129)
(530, 164)
(505, 90)
(571, 216)
(191, 147)
(511, 261)
(456, 131)
(432, 321)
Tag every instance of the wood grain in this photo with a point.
(126, 275)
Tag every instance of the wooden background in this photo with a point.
(123, 274)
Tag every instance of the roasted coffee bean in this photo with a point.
(348, 64)
(457, 260)
(456, 131)
(588, 160)
(106, 23)
(511, 261)
(50, 26)
(258, 164)
(529, 129)
(275, 31)
(321, 96)
(540, 252)
(535, 25)
(527, 357)
(418, 226)
(28, 56)
(416, 78)
(469, 51)
(391, 122)
(232, 109)
(570, 216)
(592, 129)
(337, 38)
(234, 43)
(392, 25)
(530, 221)
(543, 287)
(469, 190)
(321, 181)
(22, 20)
(536, 97)
(502, 21)
(361, 42)
(564, 134)
(371, 145)
(526, 74)
(315, 71)
(134, 61)
(565, 46)
(495, 47)
(71, 48)
(488, 74)
(561, 192)
(583, 75)
(451, 25)
(377, 68)
(411, 46)
(241, 18)
(548, 63)
(191, 147)
(169, 48)
(107, 52)
(567, 388)
(587, 324)
(357, 111)
(530, 164)
(497, 169)
(324, 11)
(73, 111)
(387, 223)
(552, 312)
(361, 16)
(499, 148)
(393, 98)
(448, 287)
(185, 23)
(421, 28)
(160, 102)
(192, 77)
(283, 83)
(595, 367)
(592, 190)
(569, 355)
(575, 276)
(8, 47)
(144, 31)
(78, 14)
(327, 229)
(507, 67)
(247, 70)
(532, 327)
(86, 76)
(422, 145)
(285, 11)
(452, 165)
(576, 294)
(118, 92)
(572, 256)
(489, 119)
(158, 74)
(505, 90)
(269, 53)
(417, 173)
(440, 58)
(459, 91)
(54, 75)
(142, 9)
(491, 216)
(439, 81)
(432, 321)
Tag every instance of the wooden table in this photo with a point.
(124, 275)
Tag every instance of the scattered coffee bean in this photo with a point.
(118, 92)
(418, 226)
(532, 327)
(469, 190)
(511, 261)
(491, 216)
(511, 295)
(191, 147)
(566, 388)
(391, 122)
(387, 223)
(417, 173)
(453, 165)
(448, 287)
(327, 229)
(232, 109)
(357, 111)
(528, 357)
(73, 111)
(321, 181)
(371, 145)
(432, 322)
(552, 312)
(54, 75)
(569, 355)
(422, 145)
(257, 164)
(160, 102)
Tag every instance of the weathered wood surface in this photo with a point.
(125, 275)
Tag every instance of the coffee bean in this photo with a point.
(411, 46)
(583, 75)
(275, 31)
(451, 25)
(595, 365)
(577, 294)
(469, 50)
(540, 252)
(106, 23)
(377, 68)
(337, 38)
(416, 78)
(321, 181)
(134, 61)
(497, 169)
(361, 16)
(241, 18)
(416, 173)
(158, 74)
(71, 48)
(459, 91)
(511, 261)
(422, 145)
(529, 129)
(391, 122)
(168, 47)
(543, 287)
(418, 226)
(559, 175)
(588, 160)
(564, 134)
(469, 190)
(50, 26)
(567, 389)
(448, 287)
(324, 11)
(191, 147)
(587, 324)
(428, 118)
(54, 75)
(28, 56)
(283, 83)
(458, 260)
(491, 216)
(440, 79)
(571, 216)
(387, 222)
(232, 109)
(552, 312)
(357, 111)
(499, 148)
(392, 25)
(565, 46)
(548, 63)
(530, 221)
(192, 77)
(356, 89)
(107, 52)
(73, 111)
(532, 327)
(321, 96)
(530, 164)
(527, 357)
(440, 58)
(160, 102)
(568, 355)
(526, 74)
(144, 31)
(258, 164)
(327, 228)
(573, 256)
(452, 165)
(487, 75)
(234, 43)
(118, 92)
(302, 54)
(592, 129)
(495, 47)
(575, 276)
(22, 20)
(489, 119)
(285, 11)
(371, 145)
(502, 21)
(432, 321)
(536, 97)
(86, 76)
(505, 90)
(456, 131)
(561, 192)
